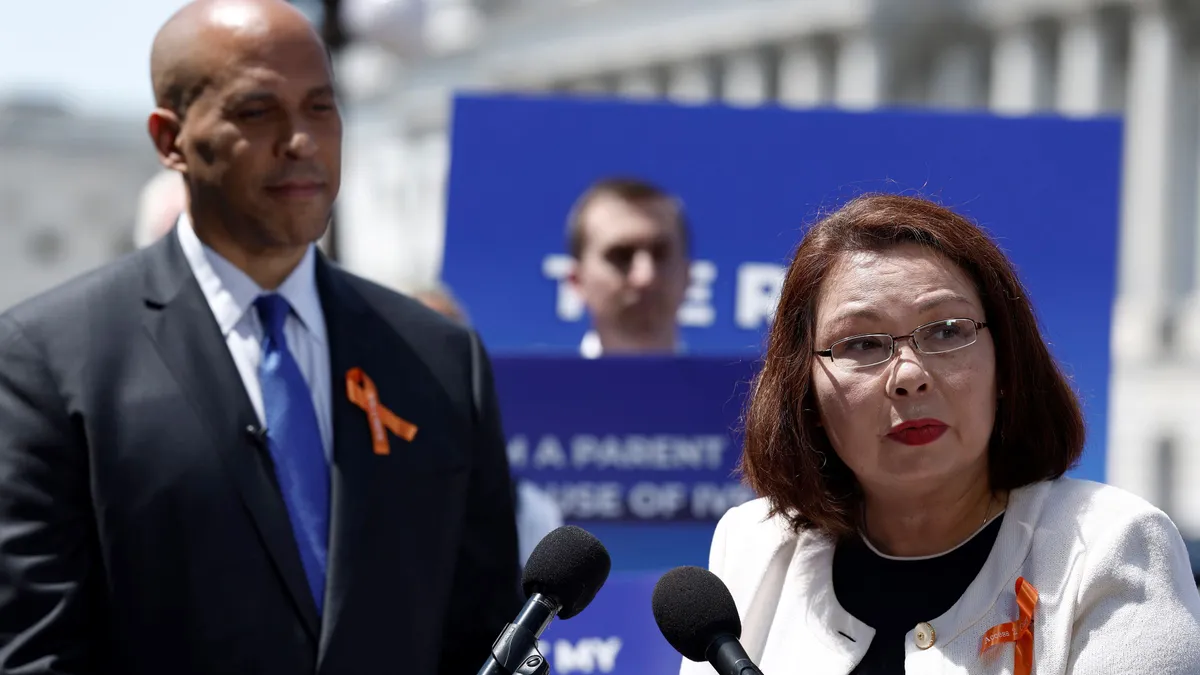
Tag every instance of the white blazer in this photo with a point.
(1116, 592)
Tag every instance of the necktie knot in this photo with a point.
(273, 310)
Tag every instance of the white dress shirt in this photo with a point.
(537, 516)
(231, 294)
(590, 347)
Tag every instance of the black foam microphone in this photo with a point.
(698, 617)
(562, 576)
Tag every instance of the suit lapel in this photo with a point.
(833, 640)
(376, 499)
(181, 324)
(347, 321)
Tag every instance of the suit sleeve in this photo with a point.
(487, 577)
(1139, 610)
(47, 556)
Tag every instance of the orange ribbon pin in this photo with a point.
(1019, 632)
(361, 391)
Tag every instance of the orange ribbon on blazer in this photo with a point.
(361, 391)
(1019, 632)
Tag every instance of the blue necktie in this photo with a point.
(294, 439)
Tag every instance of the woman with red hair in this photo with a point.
(909, 435)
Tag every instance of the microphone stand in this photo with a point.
(516, 650)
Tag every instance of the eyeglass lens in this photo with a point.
(934, 338)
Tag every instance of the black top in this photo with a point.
(893, 596)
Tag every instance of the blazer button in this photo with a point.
(924, 635)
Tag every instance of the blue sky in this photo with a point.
(95, 53)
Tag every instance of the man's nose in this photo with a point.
(643, 270)
(298, 140)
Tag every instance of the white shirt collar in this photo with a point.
(590, 347)
(231, 292)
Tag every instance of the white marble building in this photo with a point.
(1136, 58)
(68, 193)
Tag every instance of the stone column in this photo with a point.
(958, 77)
(746, 80)
(1144, 271)
(590, 85)
(805, 75)
(860, 77)
(639, 84)
(1020, 70)
(1086, 65)
(691, 81)
(1144, 279)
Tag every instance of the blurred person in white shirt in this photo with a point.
(630, 242)
(537, 512)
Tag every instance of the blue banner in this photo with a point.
(639, 451)
(615, 634)
(632, 439)
(750, 179)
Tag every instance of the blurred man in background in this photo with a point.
(162, 199)
(440, 299)
(630, 242)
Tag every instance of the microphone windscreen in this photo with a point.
(569, 565)
(692, 608)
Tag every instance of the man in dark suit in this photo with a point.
(223, 454)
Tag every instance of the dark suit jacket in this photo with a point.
(141, 530)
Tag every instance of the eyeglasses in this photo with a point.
(939, 337)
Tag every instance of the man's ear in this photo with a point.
(573, 274)
(164, 127)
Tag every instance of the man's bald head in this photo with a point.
(246, 113)
(192, 44)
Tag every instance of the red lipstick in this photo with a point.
(918, 432)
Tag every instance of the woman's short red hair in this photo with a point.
(1039, 428)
